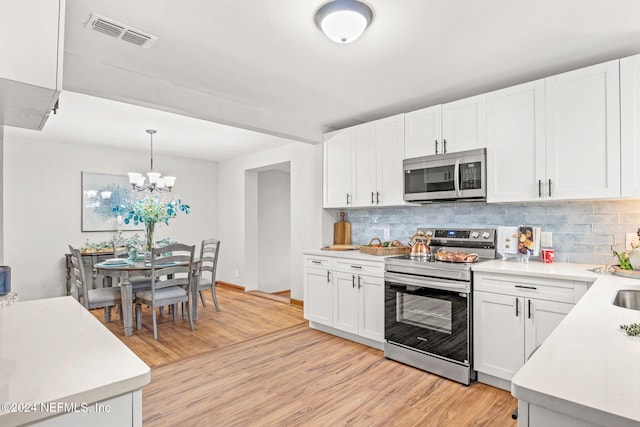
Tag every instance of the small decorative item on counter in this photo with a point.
(420, 244)
(461, 257)
(378, 247)
(547, 255)
(632, 329)
(623, 259)
(5, 279)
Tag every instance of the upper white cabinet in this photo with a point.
(446, 128)
(630, 125)
(31, 42)
(583, 133)
(557, 138)
(363, 164)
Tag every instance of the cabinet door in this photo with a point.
(423, 132)
(318, 296)
(390, 152)
(346, 302)
(464, 124)
(516, 143)
(498, 334)
(630, 125)
(365, 165)
(542, 317)
(371, 307)
(337, 169)
(583, 133)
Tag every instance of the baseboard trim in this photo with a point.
(230, 285)
(298, 302)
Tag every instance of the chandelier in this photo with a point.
(154, 181)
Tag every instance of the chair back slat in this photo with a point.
(119, 251)
(82, 290)
(209, 257)
(180, 274)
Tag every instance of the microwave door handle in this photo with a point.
(456, 178)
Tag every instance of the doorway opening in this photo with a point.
(272, 227)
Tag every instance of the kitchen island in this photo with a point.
(61, 367)
(587, 372)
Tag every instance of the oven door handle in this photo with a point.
(430, 283)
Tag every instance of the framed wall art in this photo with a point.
(100, 193)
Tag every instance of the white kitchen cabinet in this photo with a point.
(31, 42)
(318, 292)
(556, 138)
(338, 169)
(513, 315)
(583, 133)
(346, 295)
(515, 142)
(455, 126)
(630, 125)
(363, 165)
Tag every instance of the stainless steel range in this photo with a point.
(428, 303)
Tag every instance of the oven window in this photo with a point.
(425, 312)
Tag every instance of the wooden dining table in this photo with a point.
(121, 273)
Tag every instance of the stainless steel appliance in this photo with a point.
(451, 176)
(428, 304)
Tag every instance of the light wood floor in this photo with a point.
(271, 369)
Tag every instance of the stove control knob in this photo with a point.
(485, 235)
(475, 234)
(429, 233)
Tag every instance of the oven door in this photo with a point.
(435, 321)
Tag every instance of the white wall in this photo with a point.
(42, 205)
(306, 210)
(274, 231)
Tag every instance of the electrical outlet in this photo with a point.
(237, 274)
(632, 241)
(546, 239)
(387, 233)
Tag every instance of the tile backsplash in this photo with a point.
(583, 232)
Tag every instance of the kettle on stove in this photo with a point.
(420, 244)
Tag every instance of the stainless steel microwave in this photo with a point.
(451, 176)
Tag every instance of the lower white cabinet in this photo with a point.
(513, 315)
(346, 295)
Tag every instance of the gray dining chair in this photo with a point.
(92, 298)
(208, 263)
(171, 283)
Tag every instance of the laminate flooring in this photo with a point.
(276, 371)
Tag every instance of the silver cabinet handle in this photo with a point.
(444, 146)
(359, 286)
(539, 188)
(529, 315)
(357, 266)
(526, 287)
(316, 262)
(549, 187)
(436, 146)
(517, 306)
(372, 193)
(353, 280)
(377, 198)
(348, 198)
(328, 279)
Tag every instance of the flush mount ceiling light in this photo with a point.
(343, 21)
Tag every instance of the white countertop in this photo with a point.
(53, 350)
(354, 254)
(587, 368)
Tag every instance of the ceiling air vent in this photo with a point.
(123, 32)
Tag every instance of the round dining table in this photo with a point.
(121, 273)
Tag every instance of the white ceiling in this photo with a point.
(264, 65)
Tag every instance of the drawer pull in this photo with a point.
(526, 287)
(316, 262)
(357, 266)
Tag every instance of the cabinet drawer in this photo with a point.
(530, 287)
(360, 266)
(317, 261)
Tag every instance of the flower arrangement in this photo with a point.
(150, 211)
